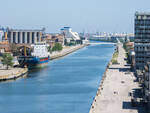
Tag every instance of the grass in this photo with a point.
(126, 54)
(114, 58)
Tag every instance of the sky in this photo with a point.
(82, 15)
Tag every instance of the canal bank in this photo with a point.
(113, 92)
(12, 73)
(66, 51)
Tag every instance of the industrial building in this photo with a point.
(24, 36)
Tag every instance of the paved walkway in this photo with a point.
(113, 96)
(11, 73)
(65, 51)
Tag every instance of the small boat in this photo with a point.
(35, 57)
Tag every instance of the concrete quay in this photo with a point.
(113, 93)
(66, 51)
(12, 73)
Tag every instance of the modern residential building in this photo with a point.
(69, 35)
(24, 36)
(142, 39)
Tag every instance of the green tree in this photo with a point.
(49, 49)
(7, 60)
(57, 47)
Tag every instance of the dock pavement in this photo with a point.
(66, 51)
(12, 73)
(113, 94)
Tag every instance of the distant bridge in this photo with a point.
(100, 43)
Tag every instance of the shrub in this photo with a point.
(57, 47)
(7, 60)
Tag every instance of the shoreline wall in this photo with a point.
(67, 52)
(102, 80)
(14, 75)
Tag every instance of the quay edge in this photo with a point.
(67, 52)
(14, 75)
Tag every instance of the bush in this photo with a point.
(114, 61)
(49, 49)
(7, 60)
(57, 47)
(114, 58)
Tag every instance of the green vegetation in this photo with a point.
(7, 60)
(131, 40)
(114, 61)
(57, 47)
(0, 58)
(121, 40)
(71, 43)
(126, 49)
(114, 58)
(49, 49)
(125, 46)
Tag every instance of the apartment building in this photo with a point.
(142, 39)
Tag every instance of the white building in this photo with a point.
(69, 35)
(1, 35)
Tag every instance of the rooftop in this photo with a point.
(142, 13)
(27, 30)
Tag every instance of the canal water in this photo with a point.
(67, 85)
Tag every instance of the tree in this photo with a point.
(49, 49)
(57, 47)
(7, 60)
(65, 42)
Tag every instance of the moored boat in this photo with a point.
(35, 57)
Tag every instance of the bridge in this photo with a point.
(101, 43)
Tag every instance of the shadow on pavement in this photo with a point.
(136, 103)
(122, 69)
(140, 108)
